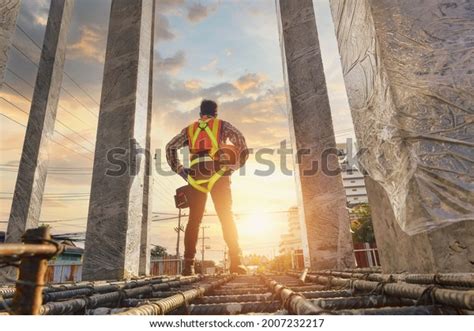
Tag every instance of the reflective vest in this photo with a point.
(203, 138)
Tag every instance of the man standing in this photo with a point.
(212, 162)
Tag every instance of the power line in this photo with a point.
(30, 85)
(68, 76)
(64, 136)
(64, 146)
(62, 87)
(57, 120)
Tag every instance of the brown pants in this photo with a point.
(222, 198)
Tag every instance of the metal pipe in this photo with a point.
(167, 305)
(455, 298)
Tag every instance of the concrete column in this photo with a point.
(144, 267)
(9, 10)
(31, 178)
(408, 71)
(323, 215)
(112, 248)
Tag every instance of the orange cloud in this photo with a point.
(249, 82)
(91, 45)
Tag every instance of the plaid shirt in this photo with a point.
(228, 131)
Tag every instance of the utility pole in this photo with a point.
(178, 229)
(203, 247)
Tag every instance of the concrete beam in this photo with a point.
(324, 219)
(408, 71)
(9, 10)
(32, 171)
(145, 245)
(113, 237)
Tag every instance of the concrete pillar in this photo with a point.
(323, 215)
(145, 245)
(9, 10)
(408, 70)
(32, 171)
(112, 248)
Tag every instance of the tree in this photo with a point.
(158, 251)
(361, 224)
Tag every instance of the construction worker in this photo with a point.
(212, 162)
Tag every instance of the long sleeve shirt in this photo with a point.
(228, 131)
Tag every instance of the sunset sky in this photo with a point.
(226, 50)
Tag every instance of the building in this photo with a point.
(352, 178)
(67, 266)
(290, 243)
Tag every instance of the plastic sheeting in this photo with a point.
(409, 72)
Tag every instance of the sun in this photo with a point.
(255, 225)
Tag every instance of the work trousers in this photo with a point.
(222, 199)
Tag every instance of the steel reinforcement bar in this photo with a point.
(447, 279)
(166, 305)
(234, 308)
(111, 298)
(463, 299)
(292, 301)
(66, 291)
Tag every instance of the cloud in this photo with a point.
(211, 65)
(249, 82)
(198, 12)
(162, 28)
(169, 6)
(219, 90)
(193, 84)
(91, 44)
(172, 64)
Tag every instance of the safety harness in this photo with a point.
(204, 185)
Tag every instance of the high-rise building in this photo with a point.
(352, 178)
(290, 243)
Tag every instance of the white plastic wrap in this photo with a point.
(409, 72)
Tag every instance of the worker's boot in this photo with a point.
(236, 266)
(188, 269)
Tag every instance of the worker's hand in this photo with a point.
(184, 172)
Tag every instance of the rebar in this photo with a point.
(240, 291)
(414, 310)
(95, 287)
(448, 279)
(163, 306)
(369, 301)
(327, 294)
(106, 299)
(307, 288)
(233, 298)
(234, 308)
(34, 263)
(294, 302)
(456, 298)
(22, 250)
